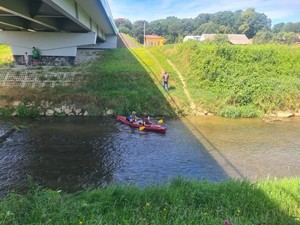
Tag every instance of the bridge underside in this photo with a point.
(56, 27)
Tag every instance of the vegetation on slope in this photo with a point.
(230, 81)
(239, 81)
(119, 79)
(5, 55)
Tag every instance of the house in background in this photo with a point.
(235, 39)
(154, 40)
(297, 41)
(186, 38)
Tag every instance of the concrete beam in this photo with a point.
(49, 43)
(21, 8)
(76, 13)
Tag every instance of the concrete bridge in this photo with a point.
(56, 27)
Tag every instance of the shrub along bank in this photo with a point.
(239, 81)
(181, 202)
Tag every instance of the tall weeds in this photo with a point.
(240, 81)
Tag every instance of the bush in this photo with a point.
(6, 111)
(246, 81)
(26, 112)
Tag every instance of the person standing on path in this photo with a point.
(36, 55)
(26, 59)
(165, 78)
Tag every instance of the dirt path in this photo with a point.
(191, 102)
(126, 42)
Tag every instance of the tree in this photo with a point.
(291, 27)
(285, 38)
(208, 28)
(124, 25)
(263, 37)
(278, 27)
(252, 22)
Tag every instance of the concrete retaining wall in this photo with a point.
(47, 79)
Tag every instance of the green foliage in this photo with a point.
(247, 111)
(124, 25)
(245, 81)
(180, 202)
(285, 37)
(6, 111)
(291, 27)
(252, 22)
(263, 37)
(26, 112)
(174, 29)
(5, 55)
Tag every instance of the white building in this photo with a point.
(186, 38)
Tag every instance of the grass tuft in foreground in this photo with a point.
(181, 202)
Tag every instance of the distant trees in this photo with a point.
(249, 22)
(124, 25)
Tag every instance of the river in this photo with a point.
(77, 153)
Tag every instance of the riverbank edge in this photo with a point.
(66, 108)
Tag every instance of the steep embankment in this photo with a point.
(231, 81)
(115, 81)
(239, 81)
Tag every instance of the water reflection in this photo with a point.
(75, 153)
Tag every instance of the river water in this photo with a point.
(76, 153)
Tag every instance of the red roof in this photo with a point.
(153, 36)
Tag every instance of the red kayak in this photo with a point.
(152, 127)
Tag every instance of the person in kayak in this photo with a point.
(147, 121)
(132, 117)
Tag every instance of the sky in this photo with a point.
(277, 10)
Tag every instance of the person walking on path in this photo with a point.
(165, 78)
(26, 59)
(36, 55)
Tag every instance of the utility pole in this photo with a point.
(144, 33)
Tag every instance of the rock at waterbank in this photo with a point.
(55, 110)
(49, 112)
(278, 116)
(284, 114)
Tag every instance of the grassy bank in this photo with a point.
(230, 81)
(119, 79)
(239, 81)
(181, 202)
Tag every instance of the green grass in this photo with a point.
(273, 202)
(5, 55)
(124, 82)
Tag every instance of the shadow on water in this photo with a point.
(77, 153)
